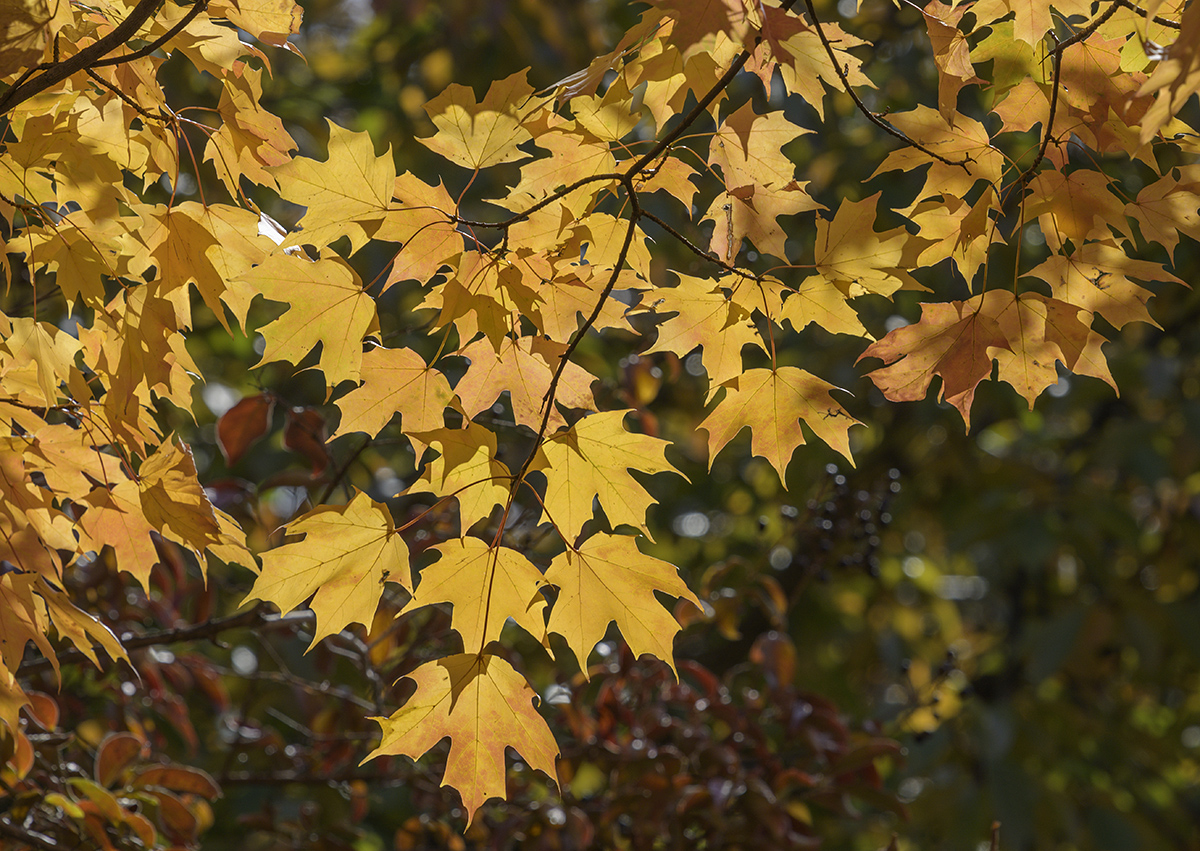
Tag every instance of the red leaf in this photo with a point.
(114, 755)
(305, 433)
(179, 778)
(244, 423)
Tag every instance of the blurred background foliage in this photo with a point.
(1001, 625)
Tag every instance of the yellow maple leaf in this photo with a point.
(424, 223)
(967, 146)
(852, 256)
(269, 21)
(951, 54)
(347, 195)
(480, 134)
(607, 579)
(706, 318)
(772, 402)
(1041, 331)
(485, 586)
(395, 381)
(172, 499)
(524, 368)
(327, 305)
(1098, 278)
(465, 469)
(818, 300)
(591, 461)
(484, 706)
(347, 554)
(49, 350)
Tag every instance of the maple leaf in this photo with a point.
(483, 293)
(49, 351)
(77, 626)
(483, 705)
(951, 53)
(1176, 78)
(269, 21)
(485, 586)
(346, 556)
(1041, 331)
(590, 461)
(771, 403)
(708, 319)
(575, 290)
(952, 340)
(607, 579)
(967, 146)
(751, 212)
(954, 229)
(172, 500)
(818, 301)
(465, 469)
(395, 381)
(1075, 207)
(347, 195)
(19, 620)
(114, 517)
(811, 69)
(327, 305)
(1096, 278)
(523, 367)
(1163, 210)
(1033, 17)
(572, 157)
(424, 222)
(481, 134)
(851, 255)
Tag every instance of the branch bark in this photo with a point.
(96, 55)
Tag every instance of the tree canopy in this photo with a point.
(738, 421)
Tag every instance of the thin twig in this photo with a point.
(194, 632)
(1138, 10)
(549, 199)
(21, 834)
(710, 256)
(1088, 30)
(862, 107)
(198, 6)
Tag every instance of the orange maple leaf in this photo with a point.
(951, 340)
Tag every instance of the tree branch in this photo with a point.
(94, 55)
(198, 6)
(33, 840)
(195, 632)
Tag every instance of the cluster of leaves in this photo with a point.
(521, 454)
